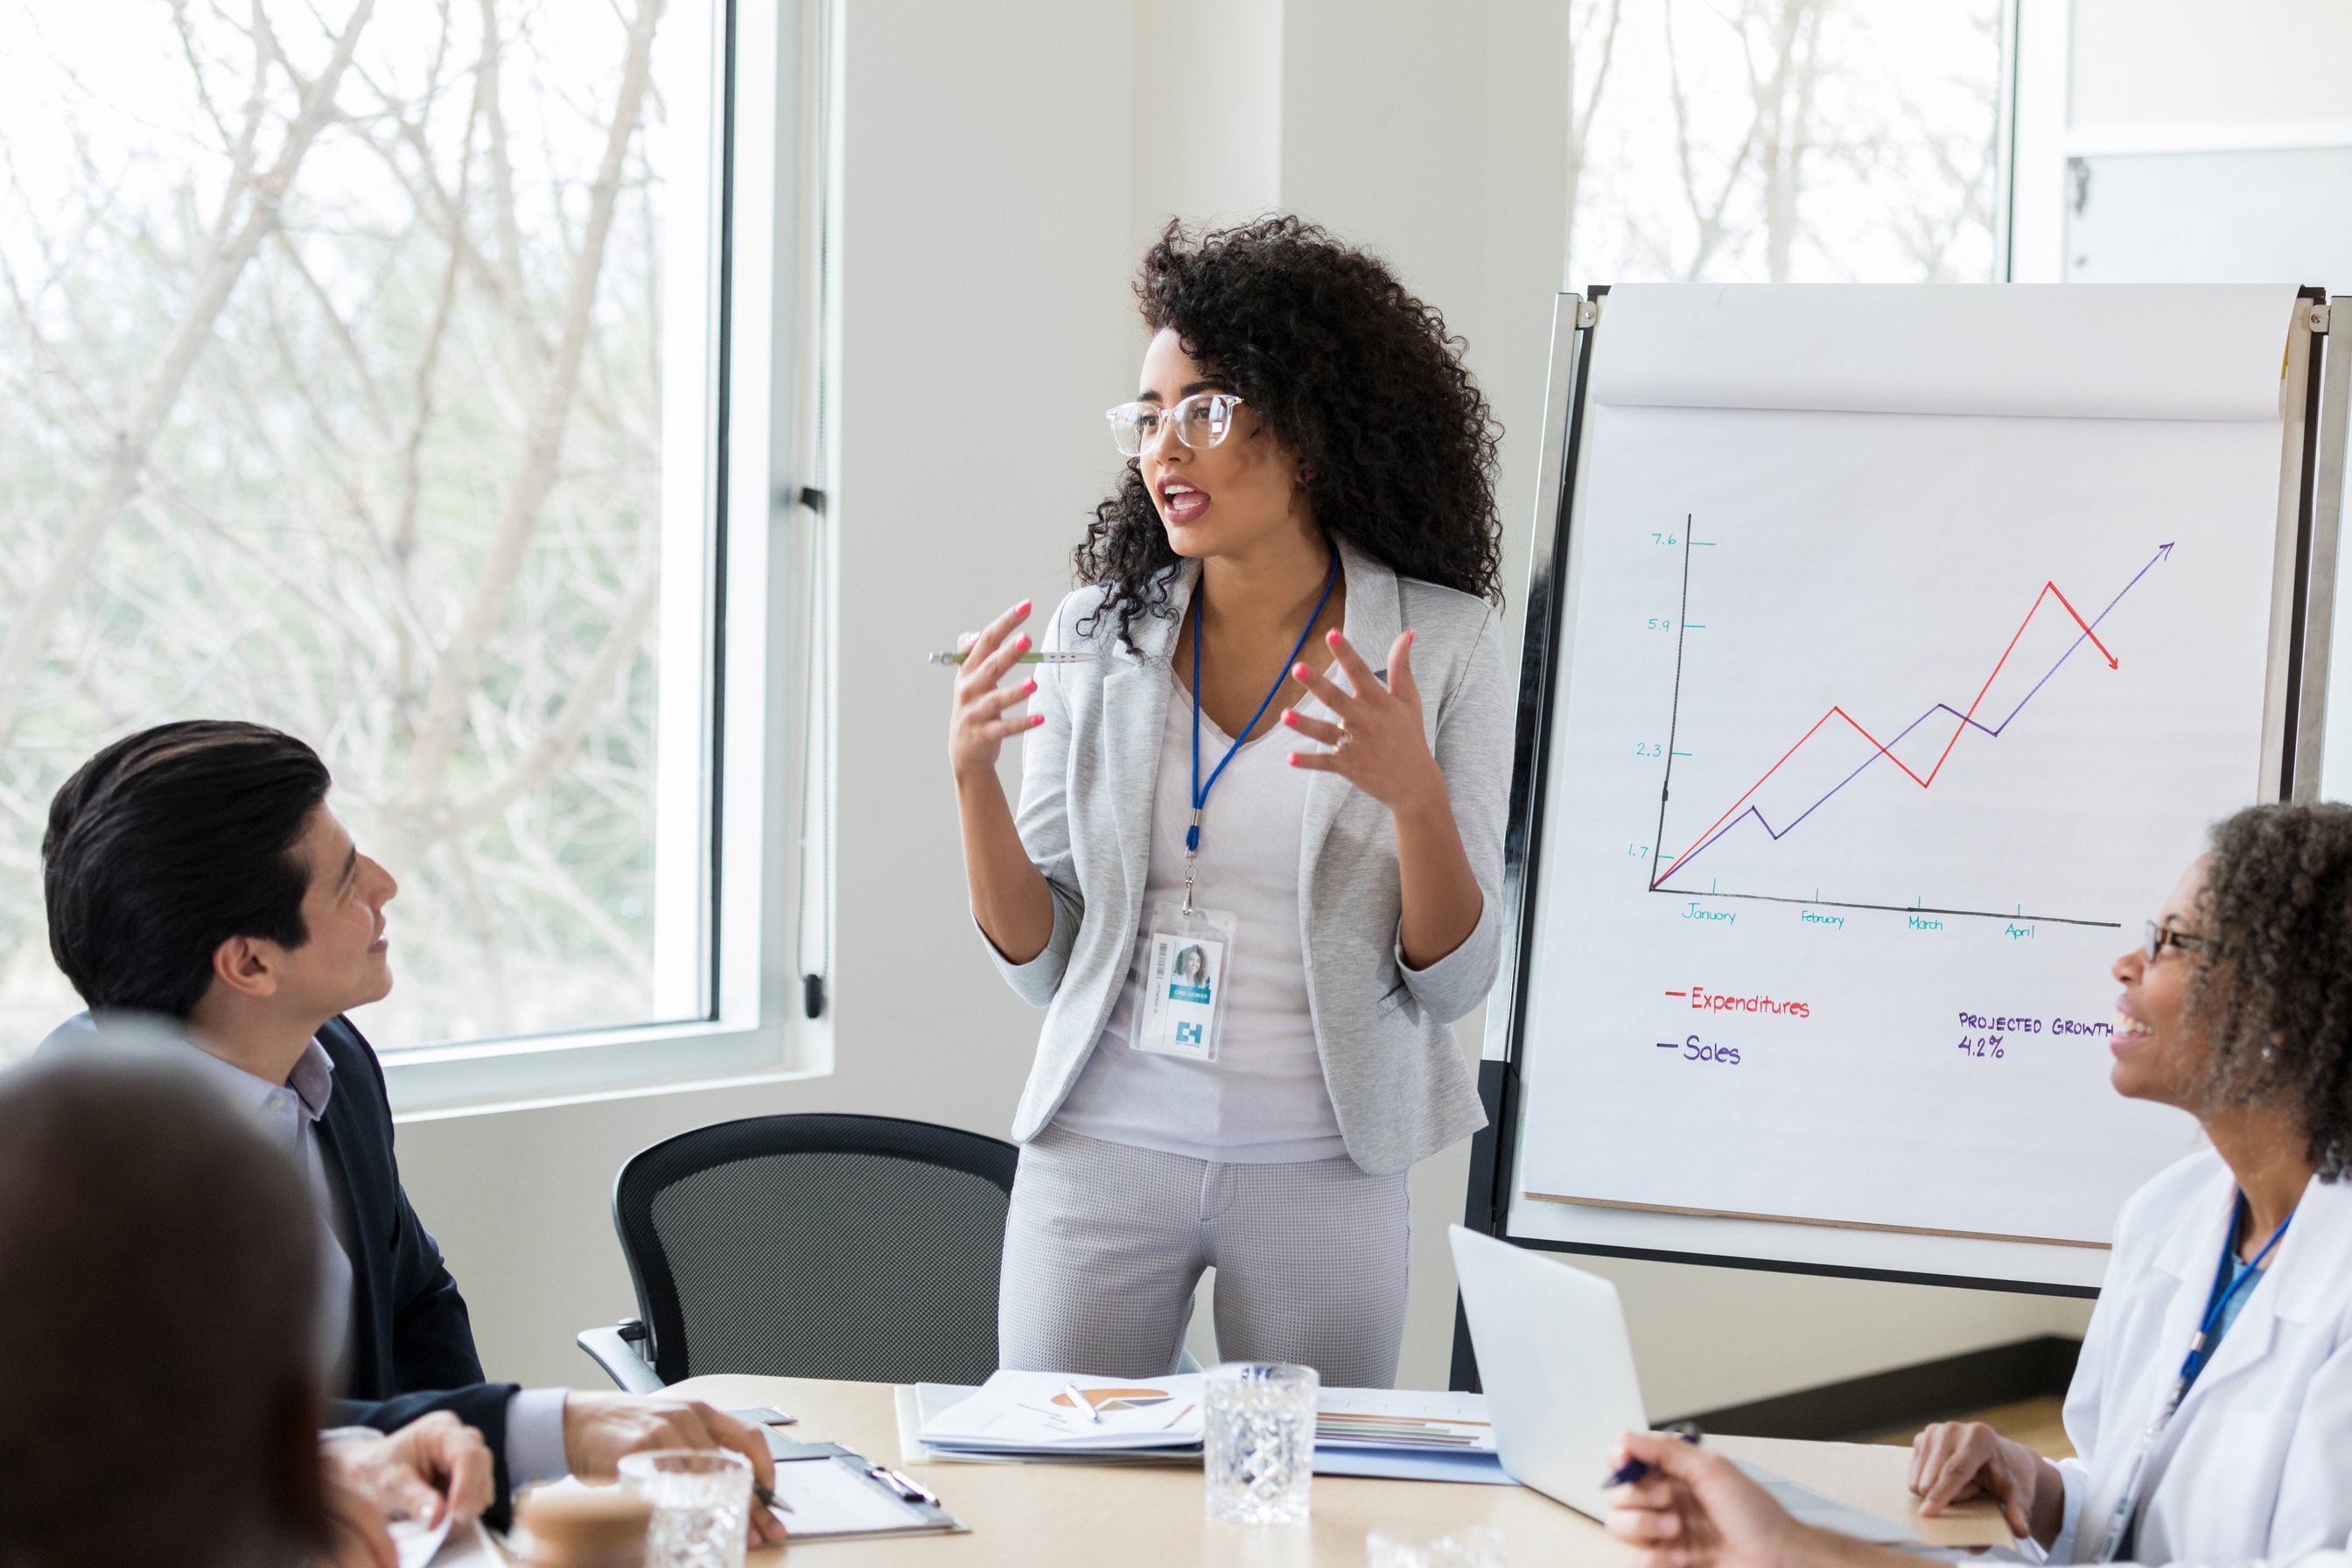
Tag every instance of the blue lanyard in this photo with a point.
(2122, 1523)
(2224, 1293)
(1200, 791)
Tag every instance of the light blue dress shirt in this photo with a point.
(288, 1113)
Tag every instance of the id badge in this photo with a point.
(1185, 971)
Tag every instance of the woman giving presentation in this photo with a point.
(1255, 871)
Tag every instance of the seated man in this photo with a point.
(193, 872)
(161, 1258)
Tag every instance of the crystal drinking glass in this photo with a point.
(701, 1500)
(1260, 1458)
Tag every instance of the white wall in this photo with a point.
(2147, 90)
(2173, 62)
(1207, 144)
(1003, 164)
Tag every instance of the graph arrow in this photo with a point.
(1968, 720)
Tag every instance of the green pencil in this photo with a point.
(1032, 656)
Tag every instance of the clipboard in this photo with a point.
(826, 1492)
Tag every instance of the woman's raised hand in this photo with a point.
(982, 718)
(1379, 744)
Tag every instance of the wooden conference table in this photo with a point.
(1042, 1516)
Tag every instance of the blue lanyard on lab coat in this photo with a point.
(2227, 1287)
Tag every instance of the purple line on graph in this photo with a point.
(1993, 730)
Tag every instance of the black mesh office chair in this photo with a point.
(849, 1247)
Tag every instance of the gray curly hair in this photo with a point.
(2275, 992)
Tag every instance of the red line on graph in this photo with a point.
(2049, 591)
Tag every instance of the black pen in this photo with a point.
(913, 1492)
(1633, 1470)
(768, 1499)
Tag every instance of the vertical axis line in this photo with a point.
(1674, 710)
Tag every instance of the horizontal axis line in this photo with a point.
(1895, 909)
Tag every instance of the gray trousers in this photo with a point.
(1105, 1244)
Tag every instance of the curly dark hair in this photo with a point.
(2275, 993)
(1395, 442)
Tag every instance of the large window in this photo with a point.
(357, 375)
(1785, 141)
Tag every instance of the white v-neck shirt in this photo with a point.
(1263, 1101)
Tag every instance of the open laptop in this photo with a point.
(1558, 1372)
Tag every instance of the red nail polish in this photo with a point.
(1023, 643)
(1332, 637)
(1035, 719)
(1024, 607)
(1031, 686)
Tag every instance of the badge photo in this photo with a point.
(1184, 983)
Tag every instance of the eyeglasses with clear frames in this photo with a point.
(1202, 420)
(2160, 937)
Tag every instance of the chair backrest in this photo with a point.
(849, 1247)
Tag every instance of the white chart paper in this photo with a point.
(1882, 730)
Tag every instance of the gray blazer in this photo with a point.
(1090, 770)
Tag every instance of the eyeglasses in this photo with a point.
(1203, 420)
(2160, 937)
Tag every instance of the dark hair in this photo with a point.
(167, 843)
(2276, 991)
(160, 1255)
(1396, 446)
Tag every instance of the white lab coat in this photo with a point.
(2257, 1462)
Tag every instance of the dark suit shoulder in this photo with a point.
(354, 1058)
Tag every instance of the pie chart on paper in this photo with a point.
(1108, 1399)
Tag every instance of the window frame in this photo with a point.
(765, 559)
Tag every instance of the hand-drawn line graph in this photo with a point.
(1740, 810)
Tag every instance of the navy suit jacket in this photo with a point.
(411, 1347)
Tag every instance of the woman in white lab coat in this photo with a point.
(2212, 1406)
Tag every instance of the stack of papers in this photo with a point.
(1037, 1414)
(1408, 1420)
(1406, 1435)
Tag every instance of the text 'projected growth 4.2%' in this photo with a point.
(1828, 769)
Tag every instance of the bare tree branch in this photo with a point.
(590, 692)
(502, 184)
(1708, 215)
(460, 668)
(1580, 117)
(23, 645)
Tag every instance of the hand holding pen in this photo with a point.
(1684, 1508)
(1630, 1468)
(984, 715)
